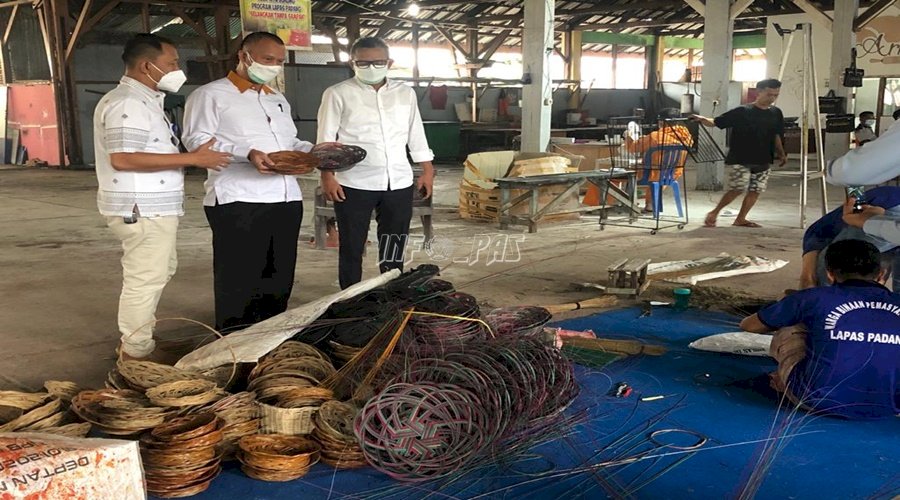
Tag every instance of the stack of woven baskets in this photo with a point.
(239, 414)
(42, 411)
(286, 382)
(274, 457)
(181, 456)
(119, 412)
(334, 432)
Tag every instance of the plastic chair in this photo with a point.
(664, 160)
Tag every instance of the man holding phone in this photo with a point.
(381, 116)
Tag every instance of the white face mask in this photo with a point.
(371, 75)
(869, 123)
(261, 73)
(171, 81)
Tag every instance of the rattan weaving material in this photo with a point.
(23, 400)
(33, 416)
(293, 162)
(338, 157)
(63, 390)
(277, 457)
(289, 421)
(70, 430)
(184, 393)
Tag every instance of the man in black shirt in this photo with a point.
(756, 138)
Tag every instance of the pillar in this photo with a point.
(537, 94)
(843, 39)
(572, 46)
(718, 54)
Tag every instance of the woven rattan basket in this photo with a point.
(288, 421)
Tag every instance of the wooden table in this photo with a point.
(573, 183)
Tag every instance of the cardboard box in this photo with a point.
(479, 196)
(37, 465)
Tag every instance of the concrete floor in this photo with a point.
(62, 277)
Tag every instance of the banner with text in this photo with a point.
(289, 19)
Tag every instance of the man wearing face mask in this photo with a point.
(141, 184)
(254, 213)
(381, 116)
(865, 131)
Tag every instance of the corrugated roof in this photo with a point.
(492, 18)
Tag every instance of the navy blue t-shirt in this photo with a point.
(823, 231)
(852, 365)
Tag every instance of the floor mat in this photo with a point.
(707, 428)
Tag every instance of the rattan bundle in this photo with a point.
(448, 318)
(343, 353)
(277, 457)
(181, 457)
(66, 391)
(338, 157)
(293, 162)
(334, 432)
(294, 349)
(118, 412)
(518, 321)
(184, 393)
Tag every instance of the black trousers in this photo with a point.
(393, 211)
(254, 257)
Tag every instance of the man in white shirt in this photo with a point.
(141, 184)
(381, 116)
(254, 213)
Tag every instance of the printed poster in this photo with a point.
(878, 45)
(289, 19)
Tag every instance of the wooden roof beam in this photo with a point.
(871, 13)
(817, 15)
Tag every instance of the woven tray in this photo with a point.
(184, 393)
(22, 400)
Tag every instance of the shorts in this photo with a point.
(788, 348)
(742, 179)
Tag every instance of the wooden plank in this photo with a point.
(456, 45)
(14, 145)
(817, 15)
(9, 24)
(4, 94)
(145, 17)
(102, 13)
(738, 7)
(871, 13)
(200, 29)
(615, 266)
(78, 26)
(635, 265)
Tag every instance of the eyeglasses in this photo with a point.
(379, 64)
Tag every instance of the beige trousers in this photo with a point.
(148, 263)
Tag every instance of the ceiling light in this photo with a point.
(413, 9)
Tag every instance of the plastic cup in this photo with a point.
(682, 298)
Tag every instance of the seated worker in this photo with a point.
(838, 347)
(831, 228)
(666, 134)
(865, 131)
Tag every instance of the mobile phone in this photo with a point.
(859, 193)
